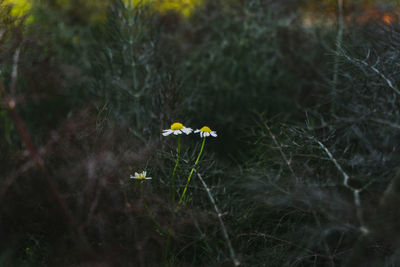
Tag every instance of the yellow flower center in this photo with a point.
(206, 129)
(176, 126)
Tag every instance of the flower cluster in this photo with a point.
(178, 128)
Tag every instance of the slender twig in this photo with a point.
(288, 163)
(39, 162)
(236, 262)
(267, 236)
(11, 177)
(346, 178)
(326, 247)
(339, 40)
(14, 73)
(2, 32)
(279, 146)
(374, 69)
(30, 162)
(388, 123)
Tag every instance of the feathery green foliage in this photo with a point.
(287, 182)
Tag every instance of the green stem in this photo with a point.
(191, 172)
(174, 171)
(158, 226)
(168, 242)
(339, 41)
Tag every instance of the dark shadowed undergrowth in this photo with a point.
(304, 171)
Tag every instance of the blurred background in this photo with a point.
(304, 96)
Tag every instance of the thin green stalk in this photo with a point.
(158, 226)
(174, 171)
(168, 242)
(191, 172)
(339, 40)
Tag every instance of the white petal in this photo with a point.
(197, 131)
(213, 133)
(132, 177)
(206, 134)
(186, 130)
(148, 178)
(136, 174)
(201, 134)
(144, 173)
(176, 132)
(167, 132)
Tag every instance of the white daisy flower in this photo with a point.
(177, 128)
(205, 132)
(140, 176)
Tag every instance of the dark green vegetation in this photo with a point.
(305, 172)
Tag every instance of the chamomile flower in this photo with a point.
(177, 128)
(140, 176)
(205, 131)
